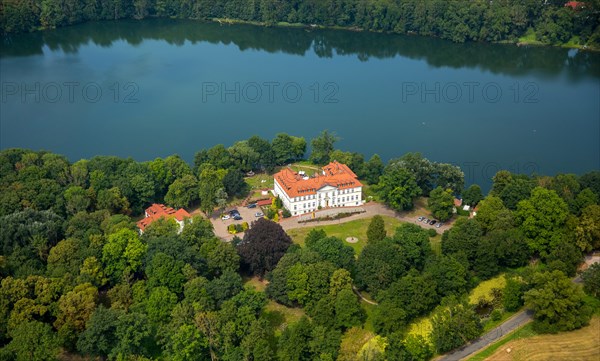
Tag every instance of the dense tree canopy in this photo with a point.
(77, 276)
(551, 22)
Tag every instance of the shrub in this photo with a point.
(245, 226)
(270, 213)
(496, 315)
(239, 228)
(286, 213)
(431, 232)
(231, 229)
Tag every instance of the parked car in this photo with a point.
(259, 214)
(225, 217)
(439, 225)
(251, 205)
(425, 220)
(432, 222)
(420, 219)
(237, 217)
(233, 211)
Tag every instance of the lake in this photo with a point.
(152, 88)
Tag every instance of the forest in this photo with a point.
(78, 278)
(547, 22)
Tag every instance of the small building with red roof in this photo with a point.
(157, 211)
(575, 5)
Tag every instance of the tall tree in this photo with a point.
(182, 192)
(322, 146)
(587, 231)
(541, 217)
(210, 181)
(558, 304)
(99, 338)
(440, 203)
(472, 195)
(263, 245)
(591, 280)
(123, 253)
(376, 231)
(453, 326)
(34, 341)
(374, 169)
(398, 187)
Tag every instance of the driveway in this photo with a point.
(371, 209)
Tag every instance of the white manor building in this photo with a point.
(336, 186)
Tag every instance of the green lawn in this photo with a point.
(484, 289)
(279, 316)
(369, 194)
(436, 244)
(308, 168)
(357, 228)
(369, 309)
(256, 181)
(352, 341)
(530, 38)
(255, 283)
(421, 326)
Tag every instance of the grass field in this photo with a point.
(583, 344)
(262, 180)
(357, 228)
(422, 326)
(369, 309)
(255, 283)
(484, 289)
(279, 316)
(256, 181)
(352, 341)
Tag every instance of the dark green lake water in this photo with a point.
(157, 87)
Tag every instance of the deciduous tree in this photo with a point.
(34, 341)
(541, 216)
(263, 245)
(558, 304)
(440, 203)
(322, 146)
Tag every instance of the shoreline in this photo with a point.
(228, 21)
(519, 42)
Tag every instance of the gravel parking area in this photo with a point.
(221, 225)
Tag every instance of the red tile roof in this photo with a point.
(334, 174)
(575, 5)
(264, 202)
(157, 211)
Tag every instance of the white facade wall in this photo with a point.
(326, 197)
